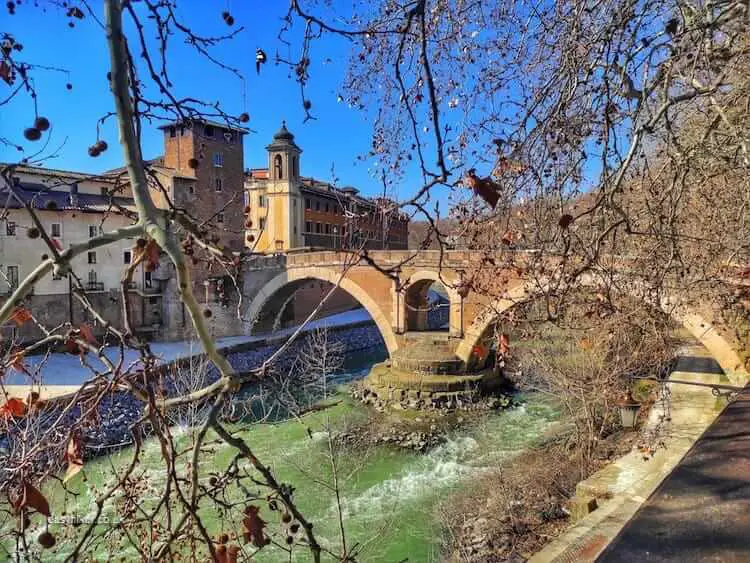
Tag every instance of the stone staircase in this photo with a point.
(427, 353)
(425, 371)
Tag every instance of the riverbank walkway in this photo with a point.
(690, 501)
(701, 512)
(62, 373)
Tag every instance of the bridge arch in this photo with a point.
(414, 294)
(699, 327)
(279, 288)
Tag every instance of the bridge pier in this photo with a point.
(425, 371)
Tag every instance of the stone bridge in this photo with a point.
(398, 308)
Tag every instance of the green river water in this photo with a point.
(390, 496)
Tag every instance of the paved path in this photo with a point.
(66, 370)
(701, 512)
(701, 490)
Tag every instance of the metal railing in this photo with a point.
(154, 288)
(717, 389)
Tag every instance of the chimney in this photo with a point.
(73, 194)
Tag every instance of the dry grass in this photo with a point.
(511, 511)
(514, 511)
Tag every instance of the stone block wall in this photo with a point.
(54, 310)
(311, 294)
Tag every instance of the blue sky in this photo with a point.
(334, 139)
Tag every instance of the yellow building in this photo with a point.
(273, 198)
(285, 211)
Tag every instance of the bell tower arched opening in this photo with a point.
(278, 170)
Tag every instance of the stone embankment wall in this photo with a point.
(119, 410)
(352, 338)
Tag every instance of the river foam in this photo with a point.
(443, 467)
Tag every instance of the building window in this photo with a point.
(92, 277)
(93, 231)
(182, 130)
(262, 223)
(218, 160)
(328, 229)
(92, 257)
(172, 131)
(279, 245)
(147, 279)
(208, 131)
(218, 184)
(308, 226)
(126, 257)
(327, 208)
(10, 228)
(317, 206)
(278, 174)
(219, 217)
(191, 189)
(12, 277)
(56, 230)
(153, 300)
(317, 228)
(261, 201)
(295, 166)
(308, 205)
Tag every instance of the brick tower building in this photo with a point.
(214, 190)
(203, 169)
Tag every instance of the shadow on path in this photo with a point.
(701, 512)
